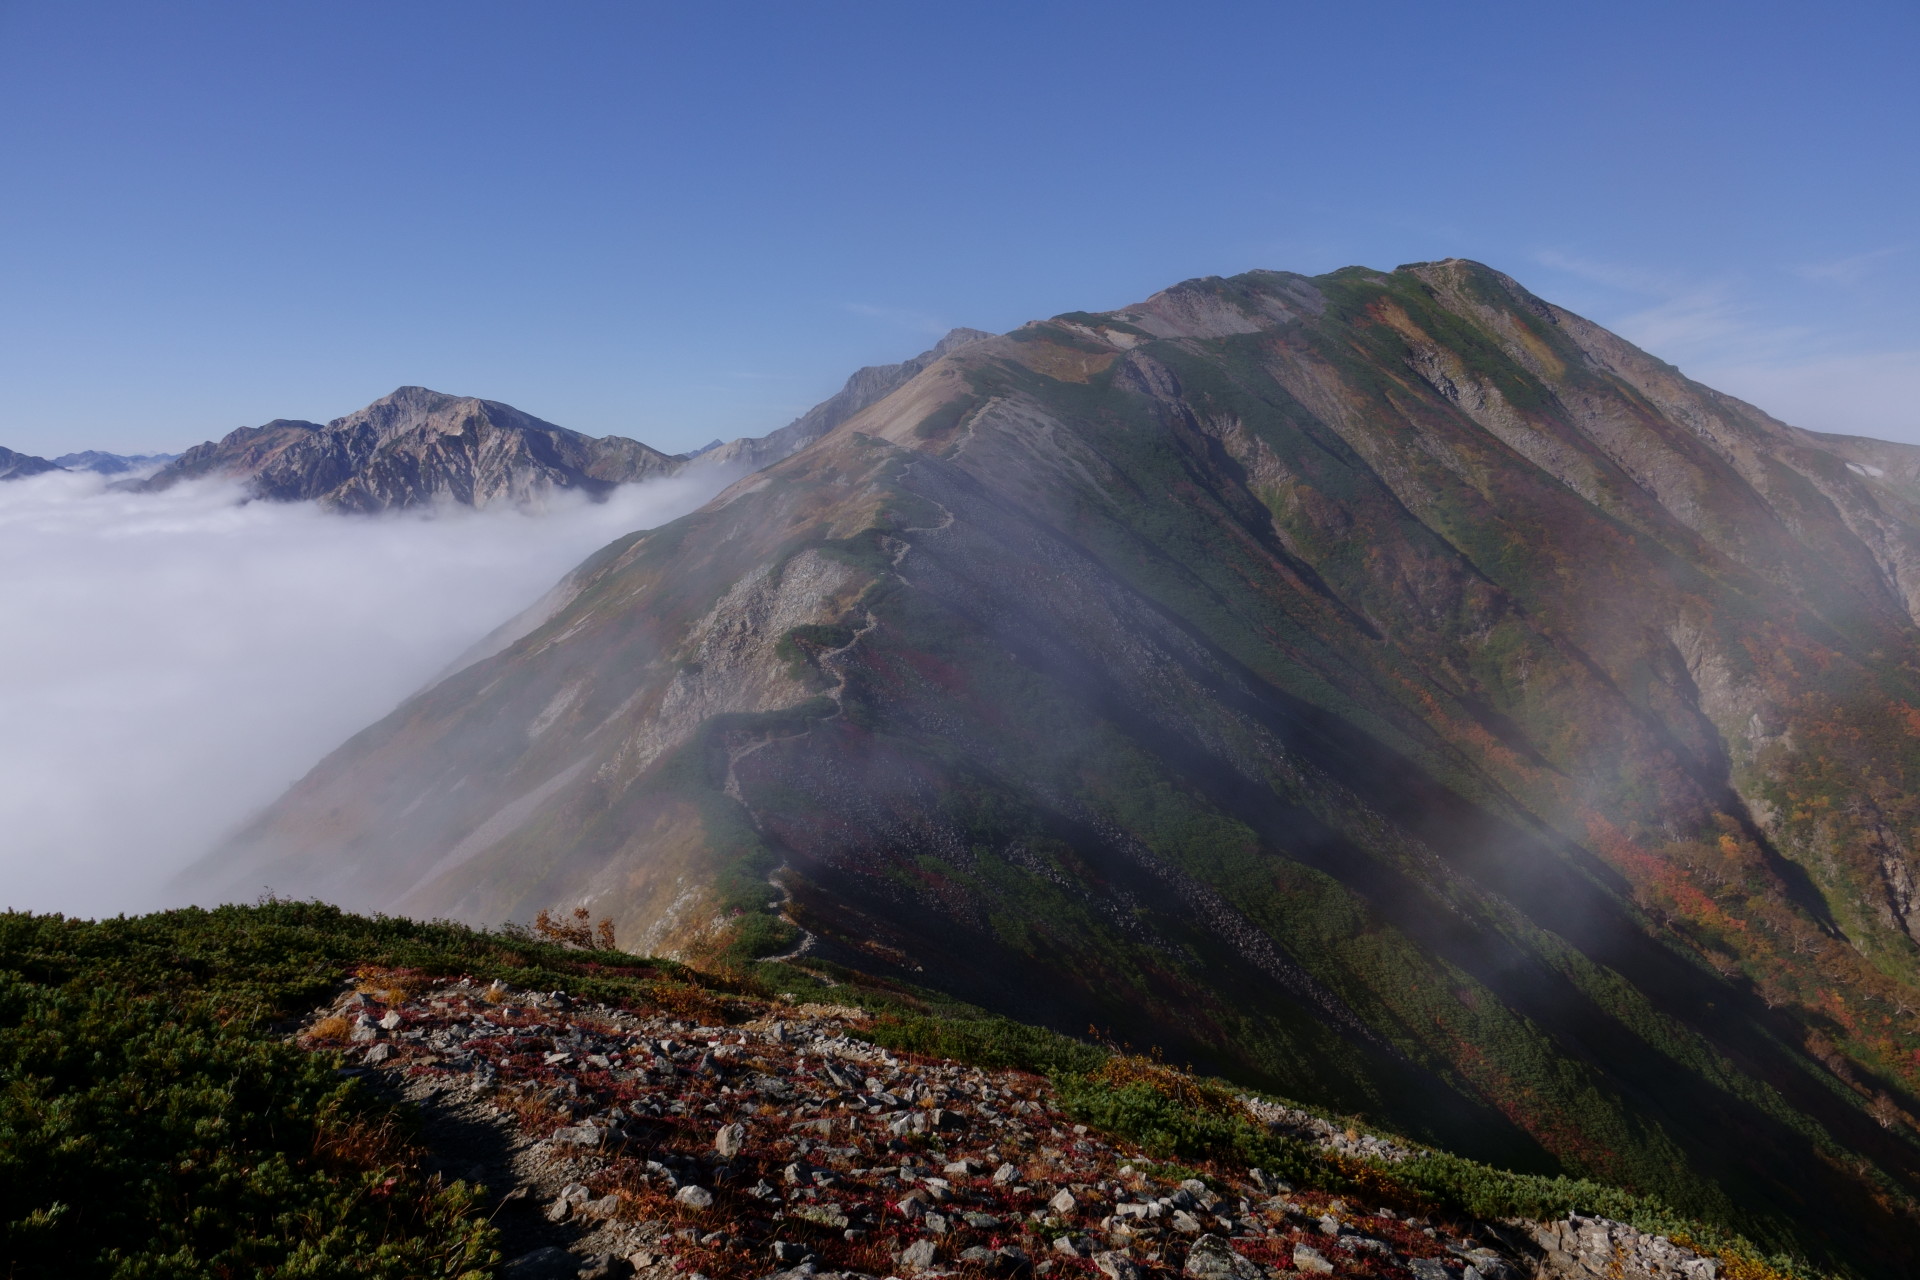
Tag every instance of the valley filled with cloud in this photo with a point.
(173, 660)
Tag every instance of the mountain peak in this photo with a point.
(1394, 690)
(18, 466)
(956, 339)
(865, 388)
(419, 447)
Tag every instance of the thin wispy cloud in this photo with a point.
(1677, 317)
(1849, 270)
(1712, 329)
(171, 662)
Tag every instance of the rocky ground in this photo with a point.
(626, 1143)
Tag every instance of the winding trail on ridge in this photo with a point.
(830, 658)
(807, 938)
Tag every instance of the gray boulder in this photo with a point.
(1211, 1258)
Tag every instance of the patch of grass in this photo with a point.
(997, 1043)
(757, 934)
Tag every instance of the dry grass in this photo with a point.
(390, 986)
(532, 1111)
(1125, 1069)
(335, 1027)
(580, 931)
(692, 1003)
(360, 1144)
(1734, 1266)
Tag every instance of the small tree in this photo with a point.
(578, 932)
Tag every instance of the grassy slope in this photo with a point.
(154, 1121)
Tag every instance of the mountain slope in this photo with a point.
(1385, 687)
(867, 386)
(17, 466)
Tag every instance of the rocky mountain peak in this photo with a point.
(421, 408)
(420, 447)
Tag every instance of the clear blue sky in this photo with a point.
(687, 221)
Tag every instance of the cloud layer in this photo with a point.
(170, 662)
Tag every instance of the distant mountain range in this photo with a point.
(1389, 688)
(112, 464)
(418, 447)
(15, 466)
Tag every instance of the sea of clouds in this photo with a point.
(170, 662)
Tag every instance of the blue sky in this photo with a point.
(688, 221)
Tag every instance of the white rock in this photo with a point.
(1307, 1258)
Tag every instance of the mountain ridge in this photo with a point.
(415, 447)
(18, 466)
(1384, 686)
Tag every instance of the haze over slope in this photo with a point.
(1388, 686)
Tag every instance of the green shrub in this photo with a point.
(142, 1137)
(996, 1043)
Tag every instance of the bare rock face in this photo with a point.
(418, 448)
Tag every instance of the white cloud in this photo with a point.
(170, 662)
